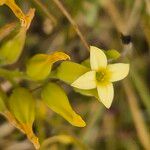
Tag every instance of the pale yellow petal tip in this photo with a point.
(107, 105)
(95, 48)
(126, 70)
(78, 121)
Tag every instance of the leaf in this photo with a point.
(112, 54)
(39, 66)
(2, 101)
(92, 92)
(14, 7)
(11, 75)
(86, 63)
(22, 105)
(56, 99)
(12, 49)
(24, 18)
(69, 71)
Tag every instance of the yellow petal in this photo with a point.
(118, 71)
(86, 81)
(106, 93)
(98, 58)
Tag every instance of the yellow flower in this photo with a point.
(101, 76)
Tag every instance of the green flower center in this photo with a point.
(100, 76)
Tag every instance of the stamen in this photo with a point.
(100, 76)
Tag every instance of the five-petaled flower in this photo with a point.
(101, 76)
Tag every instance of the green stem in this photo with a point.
(45, 10)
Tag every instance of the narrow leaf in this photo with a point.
(69, 71)
(92, 92)
(57, 100)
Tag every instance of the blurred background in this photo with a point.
(123, 25)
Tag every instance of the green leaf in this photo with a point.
(69, 71)
(86, 63)
(2, 101)
(22, 105)
(92, 92)
(11, 75)
(56, 99)
(39, 66)
(112, 54)
(12, 49)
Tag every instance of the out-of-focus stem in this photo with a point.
(148, 6)
(46, 11)
(7, 29)
(122, 25)
(134, 16)
(25, 19)
(141, 88)
(16, 10)
(66, 139)
(26, 129)
(109, 128)
(12, 120)
(31, 136)
(139, 123)
(111, 9)
(92, 122)
(75, 26)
